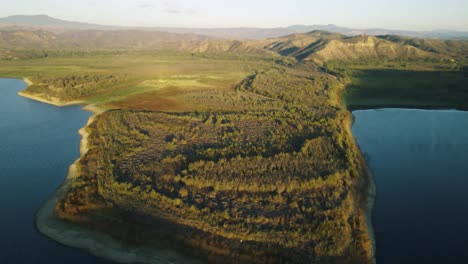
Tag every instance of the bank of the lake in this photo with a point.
(81, 236)
(369, 190)
(44, 99)
(39, 142)
(419, 162)
(368, 199)
(84, 237)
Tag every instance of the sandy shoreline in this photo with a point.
(52, 101)
(56, 102)
(48, 101)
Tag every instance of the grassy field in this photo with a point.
(104, 78)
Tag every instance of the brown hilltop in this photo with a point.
(322, 46)
(447, 47)
(366, 47)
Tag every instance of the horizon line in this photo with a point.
(234, 27)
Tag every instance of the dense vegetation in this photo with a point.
(238, 149)
(287, 182)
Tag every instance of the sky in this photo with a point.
(394, 14)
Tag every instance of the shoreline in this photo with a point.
(403, 106)
(96, 243)
(48, 101)
(88, 107)
(81, 237)
(371, 189)
(52, 101)
(369, 202)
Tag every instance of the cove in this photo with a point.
(419, 162)
(38, 142)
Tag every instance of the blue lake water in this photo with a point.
(38, 142)
(419, 160)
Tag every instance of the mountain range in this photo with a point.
(50, 23)
(318, 46)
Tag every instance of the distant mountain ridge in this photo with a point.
(317, 46)
(50, 23)
(44, 21)
(87, 40)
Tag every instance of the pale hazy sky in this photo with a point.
(391, 14)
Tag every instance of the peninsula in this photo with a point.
(213, 150)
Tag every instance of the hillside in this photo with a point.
(446, 47)
(47, 22)
(320, 46)
(92, 39)
(363, 47)
(294, 44)
(82, 40)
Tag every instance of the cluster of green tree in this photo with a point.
(287, 181)
(10, 55)
(75, 86)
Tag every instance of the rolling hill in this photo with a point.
(447, 47)
(119, 39)
(318, 46)
(47, 22)
(321, 46)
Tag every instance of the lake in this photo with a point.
(419, 160)
(38, 142)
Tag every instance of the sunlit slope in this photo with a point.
(447, 47)
(322, 46)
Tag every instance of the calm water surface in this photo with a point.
(419, 160)
(38, 143)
